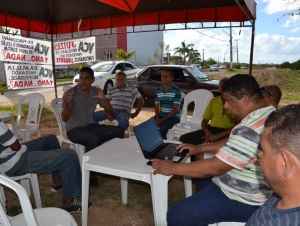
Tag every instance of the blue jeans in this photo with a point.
(208, 206)
(93, 135)
(122, 116)
(46, 155)
(166, 125)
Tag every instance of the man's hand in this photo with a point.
(110, 117)
(68, 97)
(158, 121)
(193, 149)
(100, 95)
(211, 138)
(133, 115)
(163, 167)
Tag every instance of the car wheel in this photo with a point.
(107, 85)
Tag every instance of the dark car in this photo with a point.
(187, 78)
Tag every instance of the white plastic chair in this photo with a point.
(201, 98)
(36, 103)
(24, 181)
(33, 217)
(56, 105)
(116, 123)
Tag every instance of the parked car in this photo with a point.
(197, 66)
(105, 73)
(245, 66)
(223, 66)
(214, 67)
(271, 68)
(187, 78)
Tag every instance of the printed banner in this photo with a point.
(18, 49)
(25, 76)
(75, 51)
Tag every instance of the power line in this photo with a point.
(206, 34)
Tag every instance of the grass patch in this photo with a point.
(14, 109)
(64, 79)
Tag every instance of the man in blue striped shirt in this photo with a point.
(121, 96)
(167, 103)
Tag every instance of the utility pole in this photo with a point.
(237, 51)
(230, 43)
(203, 60)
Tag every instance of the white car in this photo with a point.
(214, 67)
(197, 66)
(223, 66)
(105, 73)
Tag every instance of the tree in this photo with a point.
(159, 53)
(184, 50)
(210, 61)
(120, 54)
(174, 59)
(194, 56)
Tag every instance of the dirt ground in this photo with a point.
(108, 208)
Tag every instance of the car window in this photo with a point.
(178, 75)
(197, 74)
(103, 67)
(144, 76)
(155, 74)
(129, 66)
(118, 67)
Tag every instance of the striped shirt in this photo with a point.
(268, 215)
(123, 98)
(167, 100)
(10, 160)
(245, 182)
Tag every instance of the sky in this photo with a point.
(277, 37)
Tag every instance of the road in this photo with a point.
(12, 97)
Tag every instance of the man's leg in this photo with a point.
(209, 206)
(92, 136)
(64, 161)
(99, 116)
(195, 137)
(45, 143)
(166, 125)
(122, 116)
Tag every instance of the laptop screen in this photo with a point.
(148, 135)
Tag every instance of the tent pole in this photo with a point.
(251, 48)
(52, 46)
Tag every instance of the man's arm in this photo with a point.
(212, 148)
(139, 108)
(199, 169)
(107, 106)
(224, 133)
(171, 113)
(66, 112)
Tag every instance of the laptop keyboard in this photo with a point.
(168, 151)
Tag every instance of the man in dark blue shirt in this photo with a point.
(280, 162)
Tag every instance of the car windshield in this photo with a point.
(102, 67)
(197, 74)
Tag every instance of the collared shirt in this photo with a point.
(123, 98)
(10, 160)
(218, 115)
(245, 182)
(167, 100)
(82, 107)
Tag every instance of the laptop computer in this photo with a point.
(152, 143)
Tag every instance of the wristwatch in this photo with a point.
(217, 138)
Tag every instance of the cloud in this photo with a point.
(275, 6)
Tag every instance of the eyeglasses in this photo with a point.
(263, 89)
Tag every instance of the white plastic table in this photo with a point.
(124, 158)
(5, 116)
